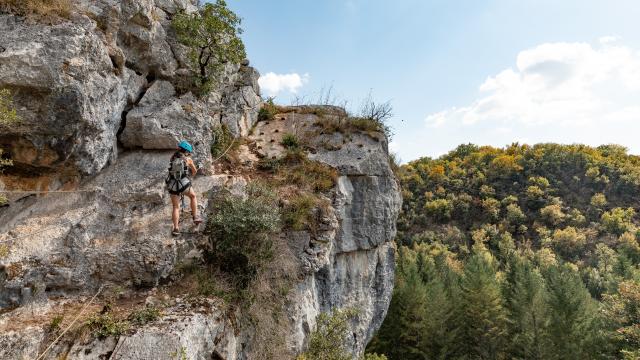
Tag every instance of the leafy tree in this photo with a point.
(552, 214)
(212, 36)
(623, 311)
(440, 209)
(555, 251)
(599, 200)
(618, 220)
(568, 241)
(514, 214)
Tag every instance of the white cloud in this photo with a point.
(274, 84)
(566, 84)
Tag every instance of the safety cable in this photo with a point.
(86, 305)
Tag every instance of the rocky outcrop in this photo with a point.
(351, 263)
(79, 83)
(103, 109)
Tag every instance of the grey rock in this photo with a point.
(74, 81)
(98, 97)
(67, 91)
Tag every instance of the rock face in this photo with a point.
(351, 263)
(80, 82)
(102, 114)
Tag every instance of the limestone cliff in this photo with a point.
(102, 107)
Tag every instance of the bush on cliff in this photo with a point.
(241, 231)
(212, 36)
(328, 341)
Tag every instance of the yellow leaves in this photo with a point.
(436, 172)
(599, 200)
(505, 165)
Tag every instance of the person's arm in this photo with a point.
(192, 166)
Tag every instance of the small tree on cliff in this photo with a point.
(212, 35)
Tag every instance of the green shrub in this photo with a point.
(145, 315)
(599, 200)
(268, 111)
(552, 214)
(104, 325)
(327, 342)
(290, 141)
(300, 213)
(514, 214)
(440, 209)
(222, 139)
(241, 230)
(212, 36)
(618, 220)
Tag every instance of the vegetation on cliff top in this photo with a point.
(526, 252)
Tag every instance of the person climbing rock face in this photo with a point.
(178, 182)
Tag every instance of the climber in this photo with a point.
(178, 182)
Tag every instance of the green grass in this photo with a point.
(299, 213)
(145, 315)
(105, 325)
(290, 141)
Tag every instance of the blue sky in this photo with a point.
(487, 72)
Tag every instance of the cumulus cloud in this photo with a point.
(274, 84)
(566, 84)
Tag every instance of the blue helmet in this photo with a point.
(185, 146)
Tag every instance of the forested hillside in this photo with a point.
(526, 252)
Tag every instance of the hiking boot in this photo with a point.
(175, 232)
(197, 220)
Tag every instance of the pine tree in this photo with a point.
(440, 328)
(527, 315)
(399, 336)
(574, 328)
(484, 325)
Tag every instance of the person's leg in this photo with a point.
(175, 214)
(194, 202)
